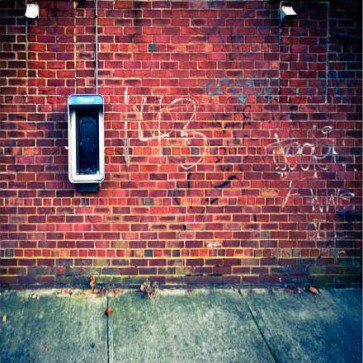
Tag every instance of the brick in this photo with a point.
(209, 164)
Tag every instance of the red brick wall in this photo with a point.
(232, 142)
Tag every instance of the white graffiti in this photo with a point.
(323, 203)
(289, 195)
(159, 121)
(316, 232)
(319, 229)
(290, 155)
(322, 200)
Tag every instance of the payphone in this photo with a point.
(86, 165)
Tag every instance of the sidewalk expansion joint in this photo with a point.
(109, 338)
(271, 351)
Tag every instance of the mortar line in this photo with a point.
(271, 351)
(27, 62)
(327, 52)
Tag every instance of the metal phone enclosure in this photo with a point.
(86, 155)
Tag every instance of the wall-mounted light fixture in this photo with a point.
(287, 13)
(32, 11)
(86, 165)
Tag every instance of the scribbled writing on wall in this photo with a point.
(245, 90)
(296, 155)
(161, 121)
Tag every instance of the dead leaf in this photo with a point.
(314, 290)
(5, 319)
(92, 282)
(108, 311)
(150, 289)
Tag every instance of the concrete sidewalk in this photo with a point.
(216, 325)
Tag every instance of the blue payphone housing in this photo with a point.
(86, 165)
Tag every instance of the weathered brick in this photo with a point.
(212, 169)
